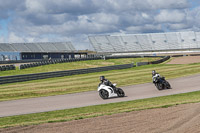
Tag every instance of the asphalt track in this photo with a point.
(59, 102)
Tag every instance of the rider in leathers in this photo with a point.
(107, 82)
(155, 76)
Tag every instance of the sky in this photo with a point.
(23, 21)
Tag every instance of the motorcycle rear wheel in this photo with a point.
(168, 86)
(103, 94)
(120, 92)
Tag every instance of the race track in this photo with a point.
(43, 104)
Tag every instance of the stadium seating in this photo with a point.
(20, 47)
(6, 47)
(102, 44)
(159, 41)
(65, 46)
(146, 42)
(188, 40)
(116, 43)
(37, 47)
(172, 40)
(34, 47)
(131, 43)
(197, 34)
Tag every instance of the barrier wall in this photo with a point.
(47, 62)
(27, 77)
(7, 67)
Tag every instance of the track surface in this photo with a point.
(43, 104)
(177, 119)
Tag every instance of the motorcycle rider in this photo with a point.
(155, 76)
(106, 82)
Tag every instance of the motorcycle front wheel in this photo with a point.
(120, 92)
(103, 94)
(159, 86)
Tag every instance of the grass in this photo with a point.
(75, 65)
(99, 110)
(89, 82)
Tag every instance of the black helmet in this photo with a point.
(102, 78)
(153, 72)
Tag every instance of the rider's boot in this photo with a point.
(115, 89)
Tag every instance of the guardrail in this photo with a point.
(160, 61)
(27, 77)
(153, 62)
(130, 56)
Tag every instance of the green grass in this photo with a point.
(88, 82)
(99, 110)
(75, 65)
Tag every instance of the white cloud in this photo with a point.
(174, 16)
(74, 20)
(144, 28)
(178, 26)
(34, 6)
(12, 37)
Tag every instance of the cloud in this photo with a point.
(14, 38)
(74, 20)
(174, 16)
(168, 4)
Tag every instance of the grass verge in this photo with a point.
(76, 65)
(99, 110)
(88, 82)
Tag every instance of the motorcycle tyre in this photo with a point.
(103, 94)
(159, 86)
(168, 86)
(120, 92)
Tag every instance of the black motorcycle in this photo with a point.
(162, 84)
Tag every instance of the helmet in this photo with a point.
(102, 78)
(153, 72)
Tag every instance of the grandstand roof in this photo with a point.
(37, 47)
(146, 42)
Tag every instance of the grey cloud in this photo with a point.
(77, 7)
(7, 7)
(168, 4)
(74, 20)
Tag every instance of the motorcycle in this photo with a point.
(106, 92)
(162, 84)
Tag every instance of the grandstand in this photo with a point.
(44, 50)
(146, 42)
(37, 47)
